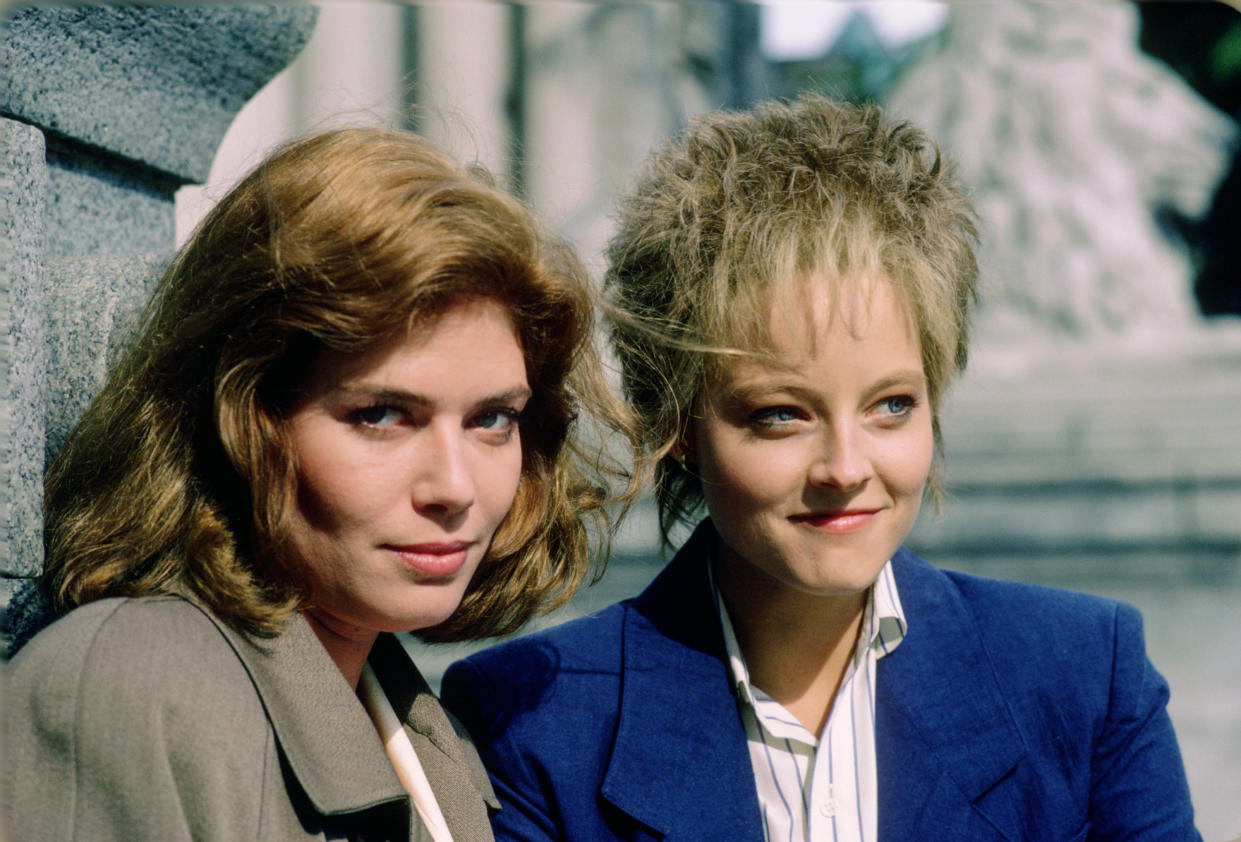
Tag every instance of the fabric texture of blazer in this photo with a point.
(151, 719)
(1008, 712)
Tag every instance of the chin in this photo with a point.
(842, 585)
(838, 588)
(427, 620)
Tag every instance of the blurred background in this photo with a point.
(1095, 442)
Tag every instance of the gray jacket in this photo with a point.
(145, 719)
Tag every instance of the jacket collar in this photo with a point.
(328, 739)
(680, 764)
(945, 737)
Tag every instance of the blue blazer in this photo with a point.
(1008, 712)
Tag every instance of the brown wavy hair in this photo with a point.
(180, 475)
(727, 221)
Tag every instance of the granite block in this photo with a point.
(23, 185)
(26, 610)
(96, 207)
(93, 304)
(154, 83)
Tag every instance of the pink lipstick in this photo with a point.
(434, 560)
(840, 523)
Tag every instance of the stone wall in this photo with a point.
(105, 111)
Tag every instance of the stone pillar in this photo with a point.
(105, 111)
(23, 190)
(462, 78)
(604, 83)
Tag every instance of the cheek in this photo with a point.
(334, 489)
(496, 477)
(908, 462)
(738, 475)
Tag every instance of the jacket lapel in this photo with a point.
(680, 764)
(329, 741)
(944, 734)
(946, 742)
(457, 777)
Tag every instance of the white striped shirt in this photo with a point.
(825, 788)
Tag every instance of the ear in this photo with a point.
(683, 451)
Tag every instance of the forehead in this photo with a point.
(785, 322)
(475, 336)
(849, 348)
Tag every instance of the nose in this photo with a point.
(443, 482)
(841, 462)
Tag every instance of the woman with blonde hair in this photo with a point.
(791, 288)
(352, 409)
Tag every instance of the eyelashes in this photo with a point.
(499, 422)
(773, 417)
(377, 415)
(898, 406)
(888, 410)
(503, 420)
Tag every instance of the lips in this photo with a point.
(837, 522)
(433, 560)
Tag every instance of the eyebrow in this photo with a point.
(911, 377)
(741, 392)
(513, 395)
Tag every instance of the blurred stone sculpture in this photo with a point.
(1073, 142)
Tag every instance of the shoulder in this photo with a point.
(149, 697)
(1041, 642)
(164, 633)
(154, 614)
(143, 660)
(542, 710)
(565, 670)
(587, 643)
(1002, 607)
(576, 668)
(1069, 671)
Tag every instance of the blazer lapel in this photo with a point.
(680, 764)
(330, 743)
(944, 735)
(457, 777)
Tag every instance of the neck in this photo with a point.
(347, 645)
(797, 646)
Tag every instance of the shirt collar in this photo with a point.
(883, 623)
(888, 628)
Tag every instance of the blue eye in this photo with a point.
(897, 405)
(774, 416)
(497, 420)
(379, 415)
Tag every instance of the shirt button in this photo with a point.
(828, 807)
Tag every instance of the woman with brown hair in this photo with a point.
(352, 409)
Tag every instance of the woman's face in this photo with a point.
(408, 458)
(813, 471)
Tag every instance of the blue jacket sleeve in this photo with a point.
(1138, 785)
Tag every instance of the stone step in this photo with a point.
(1088, 516)
(1102, 421)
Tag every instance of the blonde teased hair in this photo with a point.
(180, 475)
(727, 221)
